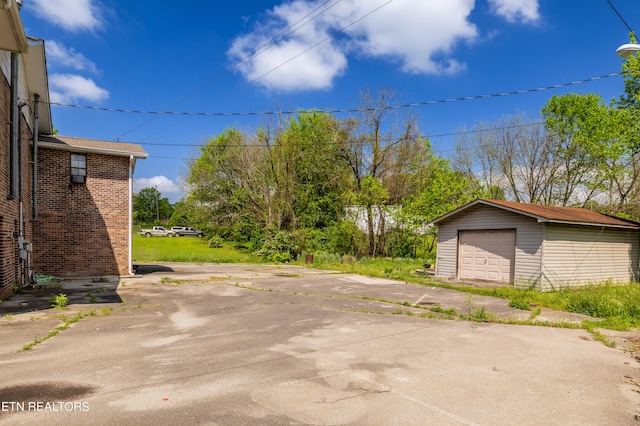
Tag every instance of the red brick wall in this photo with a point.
(82, 229)
(12, 270)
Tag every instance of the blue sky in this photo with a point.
(262, 56)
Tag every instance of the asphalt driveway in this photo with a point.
(257, 344)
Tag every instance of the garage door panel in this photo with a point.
(486, 255)
(493, 276)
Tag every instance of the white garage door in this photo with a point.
(487, 255)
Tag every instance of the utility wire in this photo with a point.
(280, 65)
(429, 136)
(320, 42)
(257, 52)
(338, 111)
(621, 18)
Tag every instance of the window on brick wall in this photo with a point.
(78, 168)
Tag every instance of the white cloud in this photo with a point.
(526, 11)
(60, 55)
(68, 88)
(166, 186)
(312, 47)
(416, 34)
(423, 41)
(72, 15)
(292, 63)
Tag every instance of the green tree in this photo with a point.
(229, 181)
(580, 125)
(149, 206)
(309, 145)
(382, 144)
(624, 188)
(443, 191)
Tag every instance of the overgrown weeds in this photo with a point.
(67, 321)
(59, 301)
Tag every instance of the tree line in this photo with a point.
(362, 185)
(367, 185)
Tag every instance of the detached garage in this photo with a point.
(544, 247)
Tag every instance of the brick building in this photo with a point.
(66, 203)
(84, 207)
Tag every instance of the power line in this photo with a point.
(338, 111)
(621, 18)
(257, 52)
(280, 65)
(462, 132)
(320, 42)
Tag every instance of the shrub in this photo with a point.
(519, 304)
(280, 248)
(215, 241)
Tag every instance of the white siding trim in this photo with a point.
(23, 92)
(5, 64)
(576, 256)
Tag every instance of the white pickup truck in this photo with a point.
(156, 231)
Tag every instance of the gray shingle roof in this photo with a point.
(69, 143)
(557, 214)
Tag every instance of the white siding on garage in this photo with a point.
(528, 253)
(579, 255)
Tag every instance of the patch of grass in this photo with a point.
(92, 298)
(398, 269)
(59, 301)
(451, 312)
(187, 250)
(67, 321)
(480, 314)
(590, 326)
(535, 313)
(519, 304)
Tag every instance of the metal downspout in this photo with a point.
(131, 162)
(34, 176)
(21, 239)
(13, 129)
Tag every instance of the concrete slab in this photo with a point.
(253, 344)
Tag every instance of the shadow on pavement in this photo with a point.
(150, 269)
(79, 292)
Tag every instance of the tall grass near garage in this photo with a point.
(399, 269)
(617, 305)
(186, 249)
